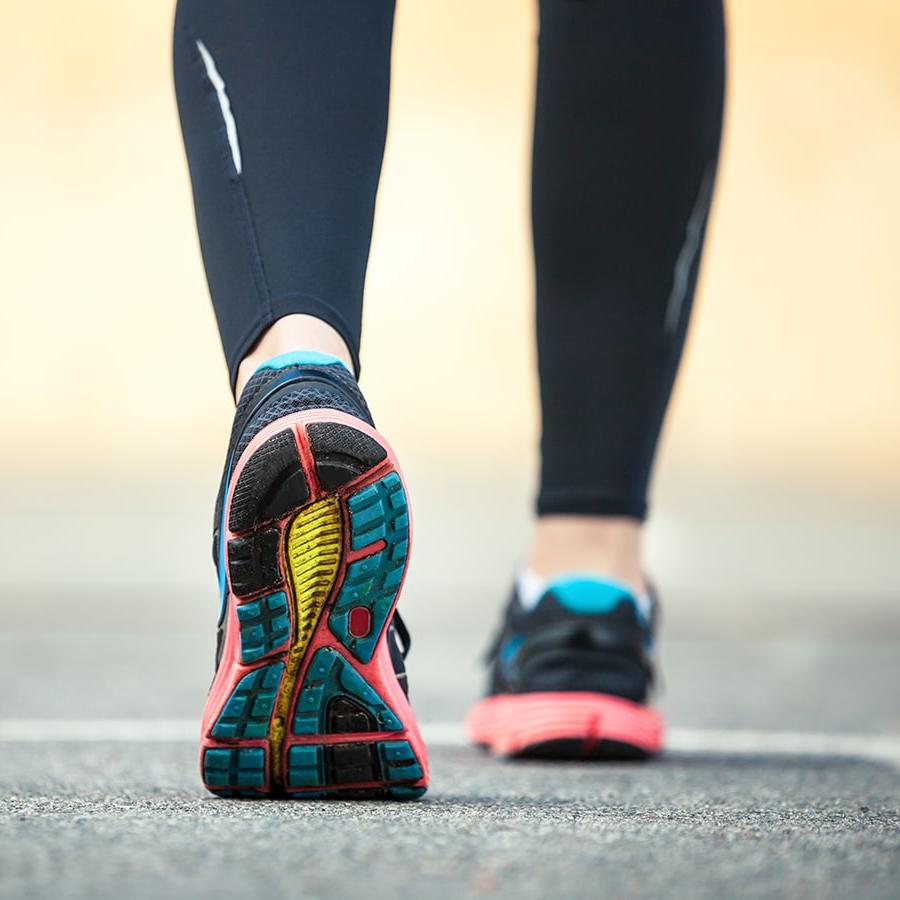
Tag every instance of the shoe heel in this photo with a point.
(306, 702)
(565, 725)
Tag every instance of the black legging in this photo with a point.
(284, 106)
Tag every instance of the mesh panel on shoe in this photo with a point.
(294, 399)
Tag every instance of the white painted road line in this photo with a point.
(37, 730)
(877, 747)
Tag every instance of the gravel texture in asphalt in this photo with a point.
(130, 819)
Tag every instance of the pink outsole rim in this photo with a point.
(379, 672)
(508, 724)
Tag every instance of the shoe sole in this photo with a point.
(565, 725)
(305, 702)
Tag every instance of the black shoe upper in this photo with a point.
(582, 635)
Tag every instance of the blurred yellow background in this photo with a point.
(793, 361)
(112, 364)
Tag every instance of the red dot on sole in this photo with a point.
(359, 622)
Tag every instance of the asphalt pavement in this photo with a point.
(783, 777)
(129, 819)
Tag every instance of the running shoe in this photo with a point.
(571, 675)
(311, 543)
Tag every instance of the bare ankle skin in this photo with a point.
(607, 546)
(297, 332)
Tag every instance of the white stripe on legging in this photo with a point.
(687, 254)
(224, 104)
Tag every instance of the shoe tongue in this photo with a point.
(590, 595)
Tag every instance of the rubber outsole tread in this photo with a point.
(271, 484)
(386, 762)
(331, 678)
(238, 767)
(377, 512)
(265, 626)
(254, 562)
(580, 749)
(342, 453)
(314, 546)
(246, 712)
(284, 560)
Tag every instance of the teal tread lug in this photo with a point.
(406, 793)
(234, 767)
(390, 763)
(330, 676)
(398, 761)
(306, 765)
(265, 626)
(247, 711)
(378, 512)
